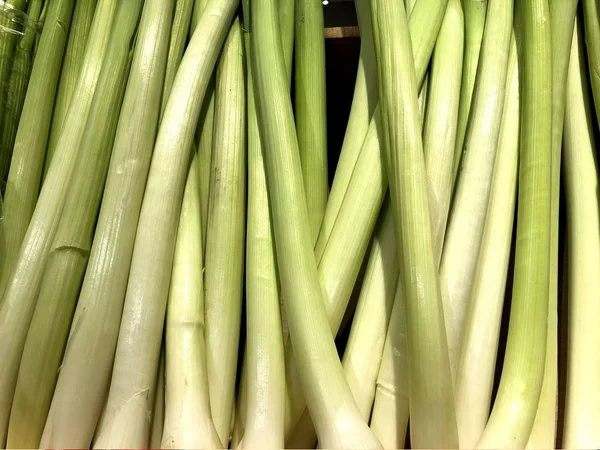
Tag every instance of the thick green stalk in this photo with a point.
(224, 262)
(477, 362)
(265, 364)
(310, 108)
(471, 196)
(182, 17)
(86, 367)
(582, 418)
(516, 403)
(562, 16)
(433, 423)
(368, 333)
(23, 286)
(475, 13)
(188, 422)
(329, 399)
(30, 142)
(68, 255)
(591, 16)
(17, 85)
(69, 74)
(125, 422)
(440, 125)
(158, 411)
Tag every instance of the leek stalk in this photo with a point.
(562, 16)
(224, 262)
(69, 73)
(516, 403)
(310, 108)
(86, 367)
(582, 419)
(125, 422)
(68, 255)
(158, 411)
(591, 16)
(329, 399)
(433, 423)
(477, 362)
(471, 196)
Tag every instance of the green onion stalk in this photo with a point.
(582, 419)
(433, 423)
(262, 277)
(182, 16)
(125, 422)
(224, 261)
(469, 205)
(81, 22)
(391, 403)
(477, 361)
(475, 13)
(12, 21)
(86, 367)
(23, 185)
(310, 108)
(188, 422)
(357, 216)
(17, 85)
(591, 16)
(68, 256)
(562, 16)
(329, 399)
(516, 403)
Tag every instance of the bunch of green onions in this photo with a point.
(177, 272)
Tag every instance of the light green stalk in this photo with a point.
(516, 403)
(30, 142)
(84, 376)
(224, 264)
(17, 85)
(22, 289)
(158, 411)
(433, 423)
(471, 196)
(69, 74)
(329, 399)
(125, 421)
(188, 423)
(477, 362)
(265, 364)
(475, 16)
(562, 16)
(582, 418)
(68, 255)
(310, 111)
(591, 16)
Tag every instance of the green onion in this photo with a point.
(264, 357)
(84, 376)
(471, 196)
(516, 403)
(188, 422)
(329, 399)
(433, 423)
(591, 16)
(310, 108)
(68, 255)
(562, 16)
(125, 421)
(582, 418)
(30, 142)
(474, 11)
(69, 74)
(477, 362)
(17, 85)
(224, 261)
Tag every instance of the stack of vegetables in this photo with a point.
(177, 272)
